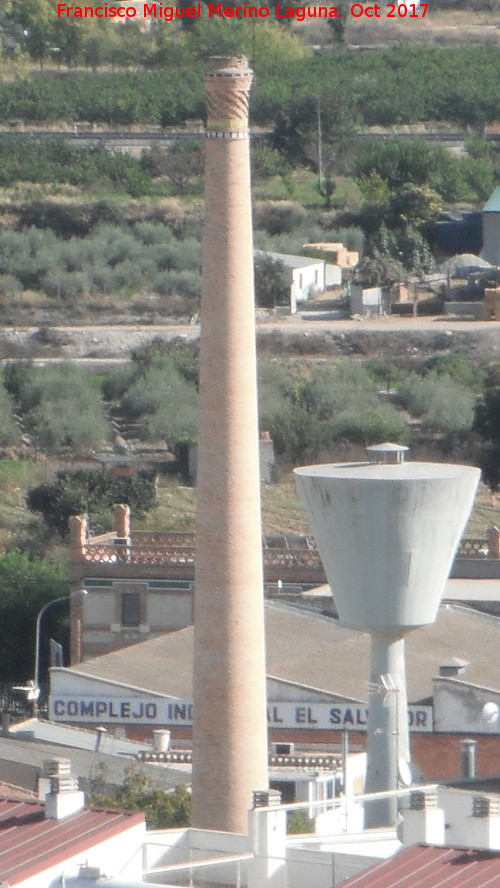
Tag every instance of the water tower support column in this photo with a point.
(387, 738)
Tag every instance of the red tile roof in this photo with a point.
(430, 866)
(30, 844)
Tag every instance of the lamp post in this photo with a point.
(38, 634)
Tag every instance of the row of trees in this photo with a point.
(308, 410)
(384, 87)
(109, 260)
(32, 28)
(60, 407)
(401, 187)
(26, 159)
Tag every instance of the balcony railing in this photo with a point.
(178, 549)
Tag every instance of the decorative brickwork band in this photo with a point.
(217, 134)
(228, 83)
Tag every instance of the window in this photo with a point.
(131, 608)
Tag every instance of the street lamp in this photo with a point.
(41, 612)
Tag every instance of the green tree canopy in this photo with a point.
(93, 492)
(164, 809)
(272, 286)
(487, 425)
(26, 584)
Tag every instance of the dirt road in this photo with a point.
(382, 338)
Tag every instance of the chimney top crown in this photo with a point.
(228, 66)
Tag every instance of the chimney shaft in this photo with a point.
(230, 729)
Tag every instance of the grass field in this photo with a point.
(282, 512)
(176, 508)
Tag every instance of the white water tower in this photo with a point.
(387, 535)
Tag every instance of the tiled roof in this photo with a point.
(30, 844)
(429, 866)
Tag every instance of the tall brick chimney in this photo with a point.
(230, 730)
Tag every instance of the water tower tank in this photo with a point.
(387, 535)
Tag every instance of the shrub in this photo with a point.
(163, 808)
(272, 285)
(17, 375)
(298, 823)
(267, 162)
(308, 413)
(117, 381)
(67, 286)
(9, 430)
(58, 424)
(279, 217)
(10, 286)
(165, 401)
(177, 283)
(61, 407)
(458, 369)
(92, 491)
(442, 404)
(367, 425)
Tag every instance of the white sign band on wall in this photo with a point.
(291, 716)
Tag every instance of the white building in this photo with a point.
(459, 829)
(306, 276)
(41, 845)
(491, 229)
(317, 686)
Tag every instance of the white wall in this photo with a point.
(458, 707)
(170, 847)
(170, 609)
(333, 275)
(491, 238)
(363, 299)
(308, 867)
(306, 281)
(99, 607)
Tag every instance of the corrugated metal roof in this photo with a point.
(30, 844)
(314, 651)
(16, 793)
(493, 204)
(290, 260)
(429, 866)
